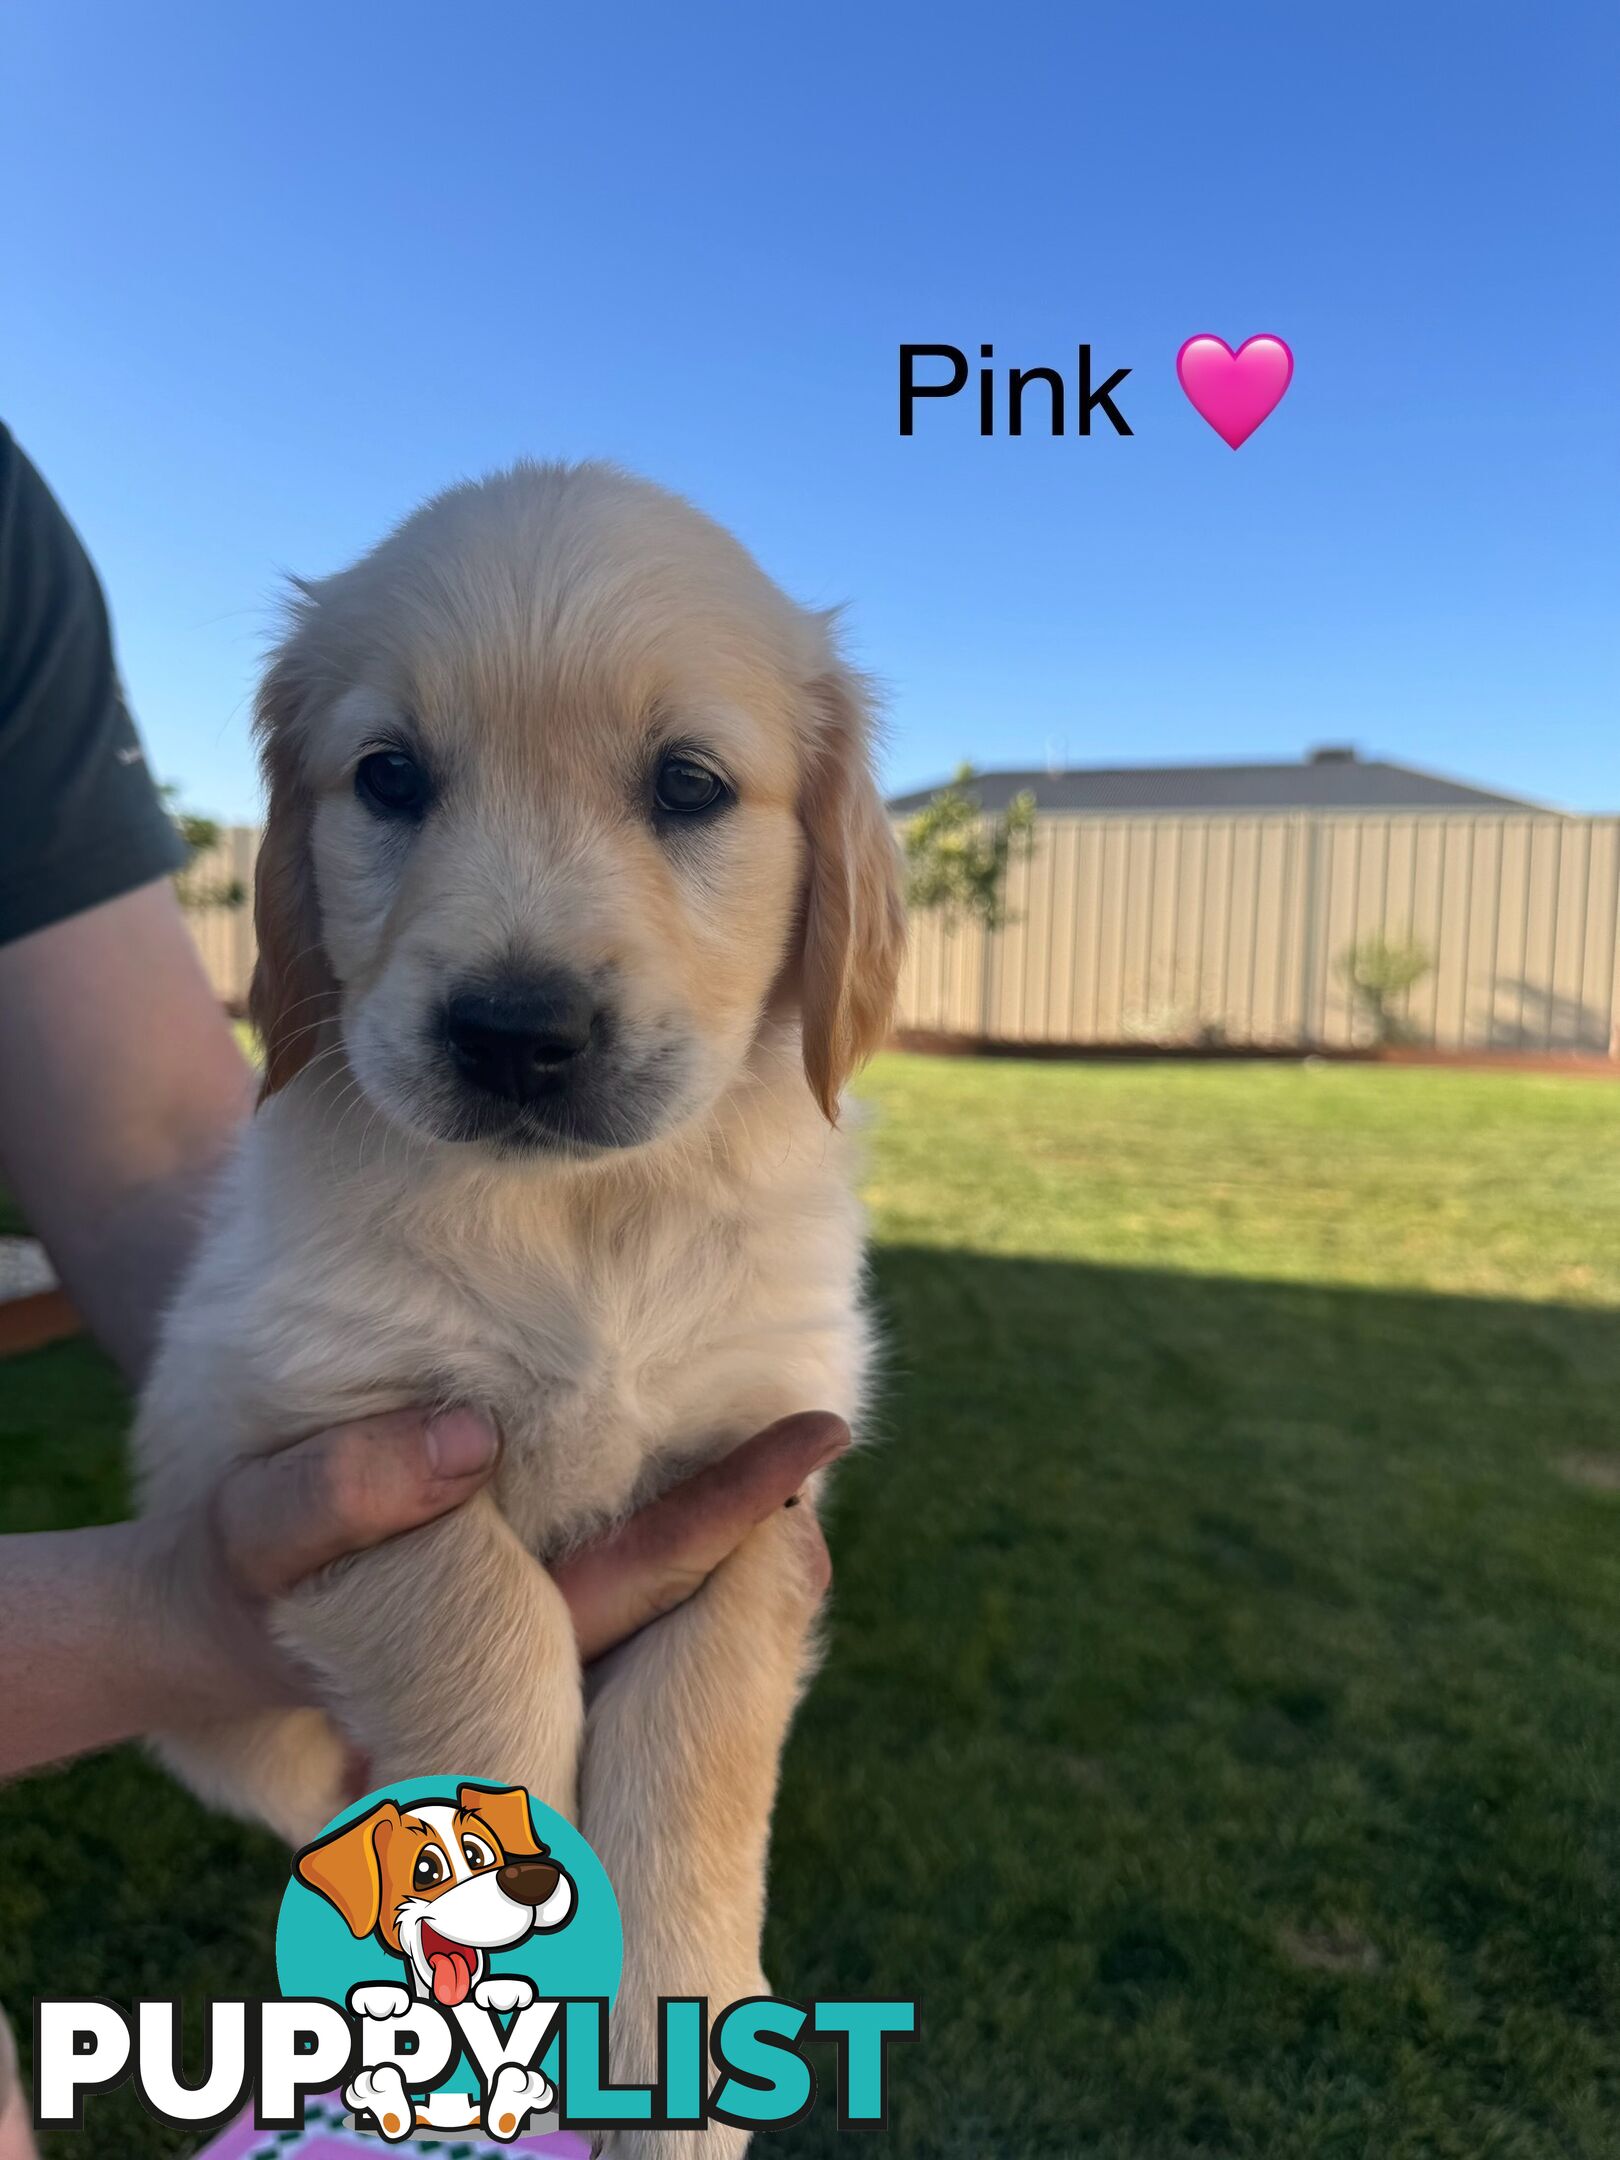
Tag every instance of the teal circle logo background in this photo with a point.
(317, 1956)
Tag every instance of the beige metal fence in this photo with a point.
(225, 935)
(1235, 929)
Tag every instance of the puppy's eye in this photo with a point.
(684, 788)
(477, 1852)
(391, 784)
(429, 1869)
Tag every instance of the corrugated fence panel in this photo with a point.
(1239, 929)
(1447, 931)
(1513, 935)
(1601, 979)
(1040, 927)
(1089, 833)
(1121, 843)
(1135, 1017)
(1065, 896)
(224, 935)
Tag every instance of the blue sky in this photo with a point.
(271, 274)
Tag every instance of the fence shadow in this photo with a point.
(1528, 1016)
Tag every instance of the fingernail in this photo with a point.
(836, 1444)
(460, 1443)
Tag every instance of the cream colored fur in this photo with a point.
(624, 1312)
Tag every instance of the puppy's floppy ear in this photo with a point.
(854, 935)
(293, 989)
(346, 1868)
(506, 1811)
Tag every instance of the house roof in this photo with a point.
(1328, 779)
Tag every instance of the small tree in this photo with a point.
(1379, 970)
(957, 858)
(200, 836)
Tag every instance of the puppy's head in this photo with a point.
(442, 1883)
(565, 795)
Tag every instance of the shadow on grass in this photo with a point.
(1217, 1736)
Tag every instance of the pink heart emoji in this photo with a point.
(1234, 391)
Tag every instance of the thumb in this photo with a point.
(668, 1549)
(281, 1517)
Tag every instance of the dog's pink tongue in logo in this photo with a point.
(452, 1967)
(1234, 391)
(452, 1976)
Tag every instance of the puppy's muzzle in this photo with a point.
(528, 1882)
(523, 1041)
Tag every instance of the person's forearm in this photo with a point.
(90, 1656)
(122, 1265)
(121, 1090)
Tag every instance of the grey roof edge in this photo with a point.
(1518, 802)
(1437, 792)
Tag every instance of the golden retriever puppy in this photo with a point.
(576, 906)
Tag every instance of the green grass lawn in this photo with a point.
(1222, 1719)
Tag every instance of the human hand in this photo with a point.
(668, 1549)
(275, 1519)
(215, 1569)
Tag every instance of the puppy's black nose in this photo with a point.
(519, 1042)
(529, 1882)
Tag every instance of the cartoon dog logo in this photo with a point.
(442, 1884)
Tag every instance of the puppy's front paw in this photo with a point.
(381, 2094)
(504, 1991)
(636, 2054)
(379, 1999)
(515, 2095)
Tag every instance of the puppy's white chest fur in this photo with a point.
(619, 1327)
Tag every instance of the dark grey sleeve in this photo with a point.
(81, 820)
